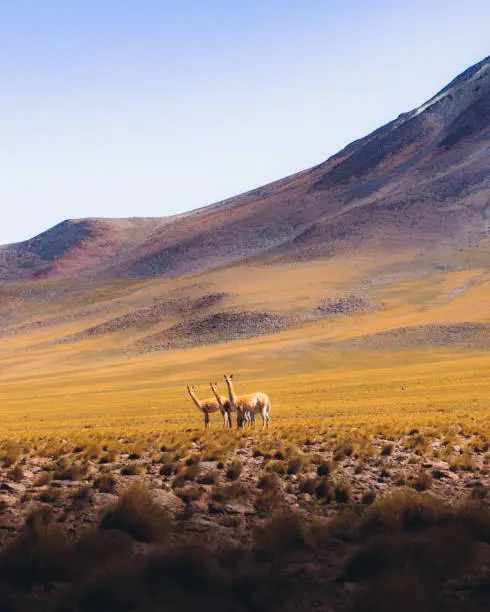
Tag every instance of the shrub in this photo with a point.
(277, 466)
(345, 450)
(208, 478)
(324, 491)
(16, 474)
(137, 513)
(9, 454)
(438, 474)
(51, 495)
(42, 479)
(443, 552)
(386, 450)
(93, 451)
(464, 462)
(406, 510)
(422, 482)
(66, 470)
(285, 531)
(235, 469)
(113, 456)
(296, 464)
(40, 554)
(268, 482)
(106, 483)
(189, 494)
(133, 469)
(325, 468)
(267, 501)
(308, 485)
(342, 492)
(479, 491)
(167, 469)
(259, 452)
(191, 471)
(193, 460)
(401, 589)
(368, 497)
(228, 493)
(82, 498)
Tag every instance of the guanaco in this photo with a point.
(207, 406)
(248, 406)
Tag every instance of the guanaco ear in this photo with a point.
(231, 375)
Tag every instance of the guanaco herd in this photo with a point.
(246, 407)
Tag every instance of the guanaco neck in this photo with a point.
(217, 396)
(194, 399)
(231, 392)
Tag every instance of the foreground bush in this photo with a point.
(138, 514)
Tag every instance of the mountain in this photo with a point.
(420, 182)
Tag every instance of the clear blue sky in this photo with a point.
(153, 107)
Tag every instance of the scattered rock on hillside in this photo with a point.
(215, 328)
(344, 305)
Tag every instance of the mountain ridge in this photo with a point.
(402, 184)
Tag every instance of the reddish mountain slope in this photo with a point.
(422, 180)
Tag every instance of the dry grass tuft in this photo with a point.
(228, 493)
(43, 478)
(308, 485)
(464, 462)
(325, 468)
(285, 531)
(422, 482)
(235, 469)
(9, 454)
(208, 478)
(65, 469)
(51, 495)
(406, 510)
(138, 514)
(342, 492)
(296, 464)
(189, 494)
(277, 466)
(40, 555)
(133, 469)
(386, 450)
(368, 498)
(106, 483)
(16, 474)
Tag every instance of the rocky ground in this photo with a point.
(315, 513)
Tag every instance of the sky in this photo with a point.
(120, 108)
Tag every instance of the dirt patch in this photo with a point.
(215, 328)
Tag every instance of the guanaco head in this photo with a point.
(228, 378)
(214, 387)
(191, 389)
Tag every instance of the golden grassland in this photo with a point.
(373, 473)
(311, 375)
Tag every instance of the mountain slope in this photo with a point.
(421, 181)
